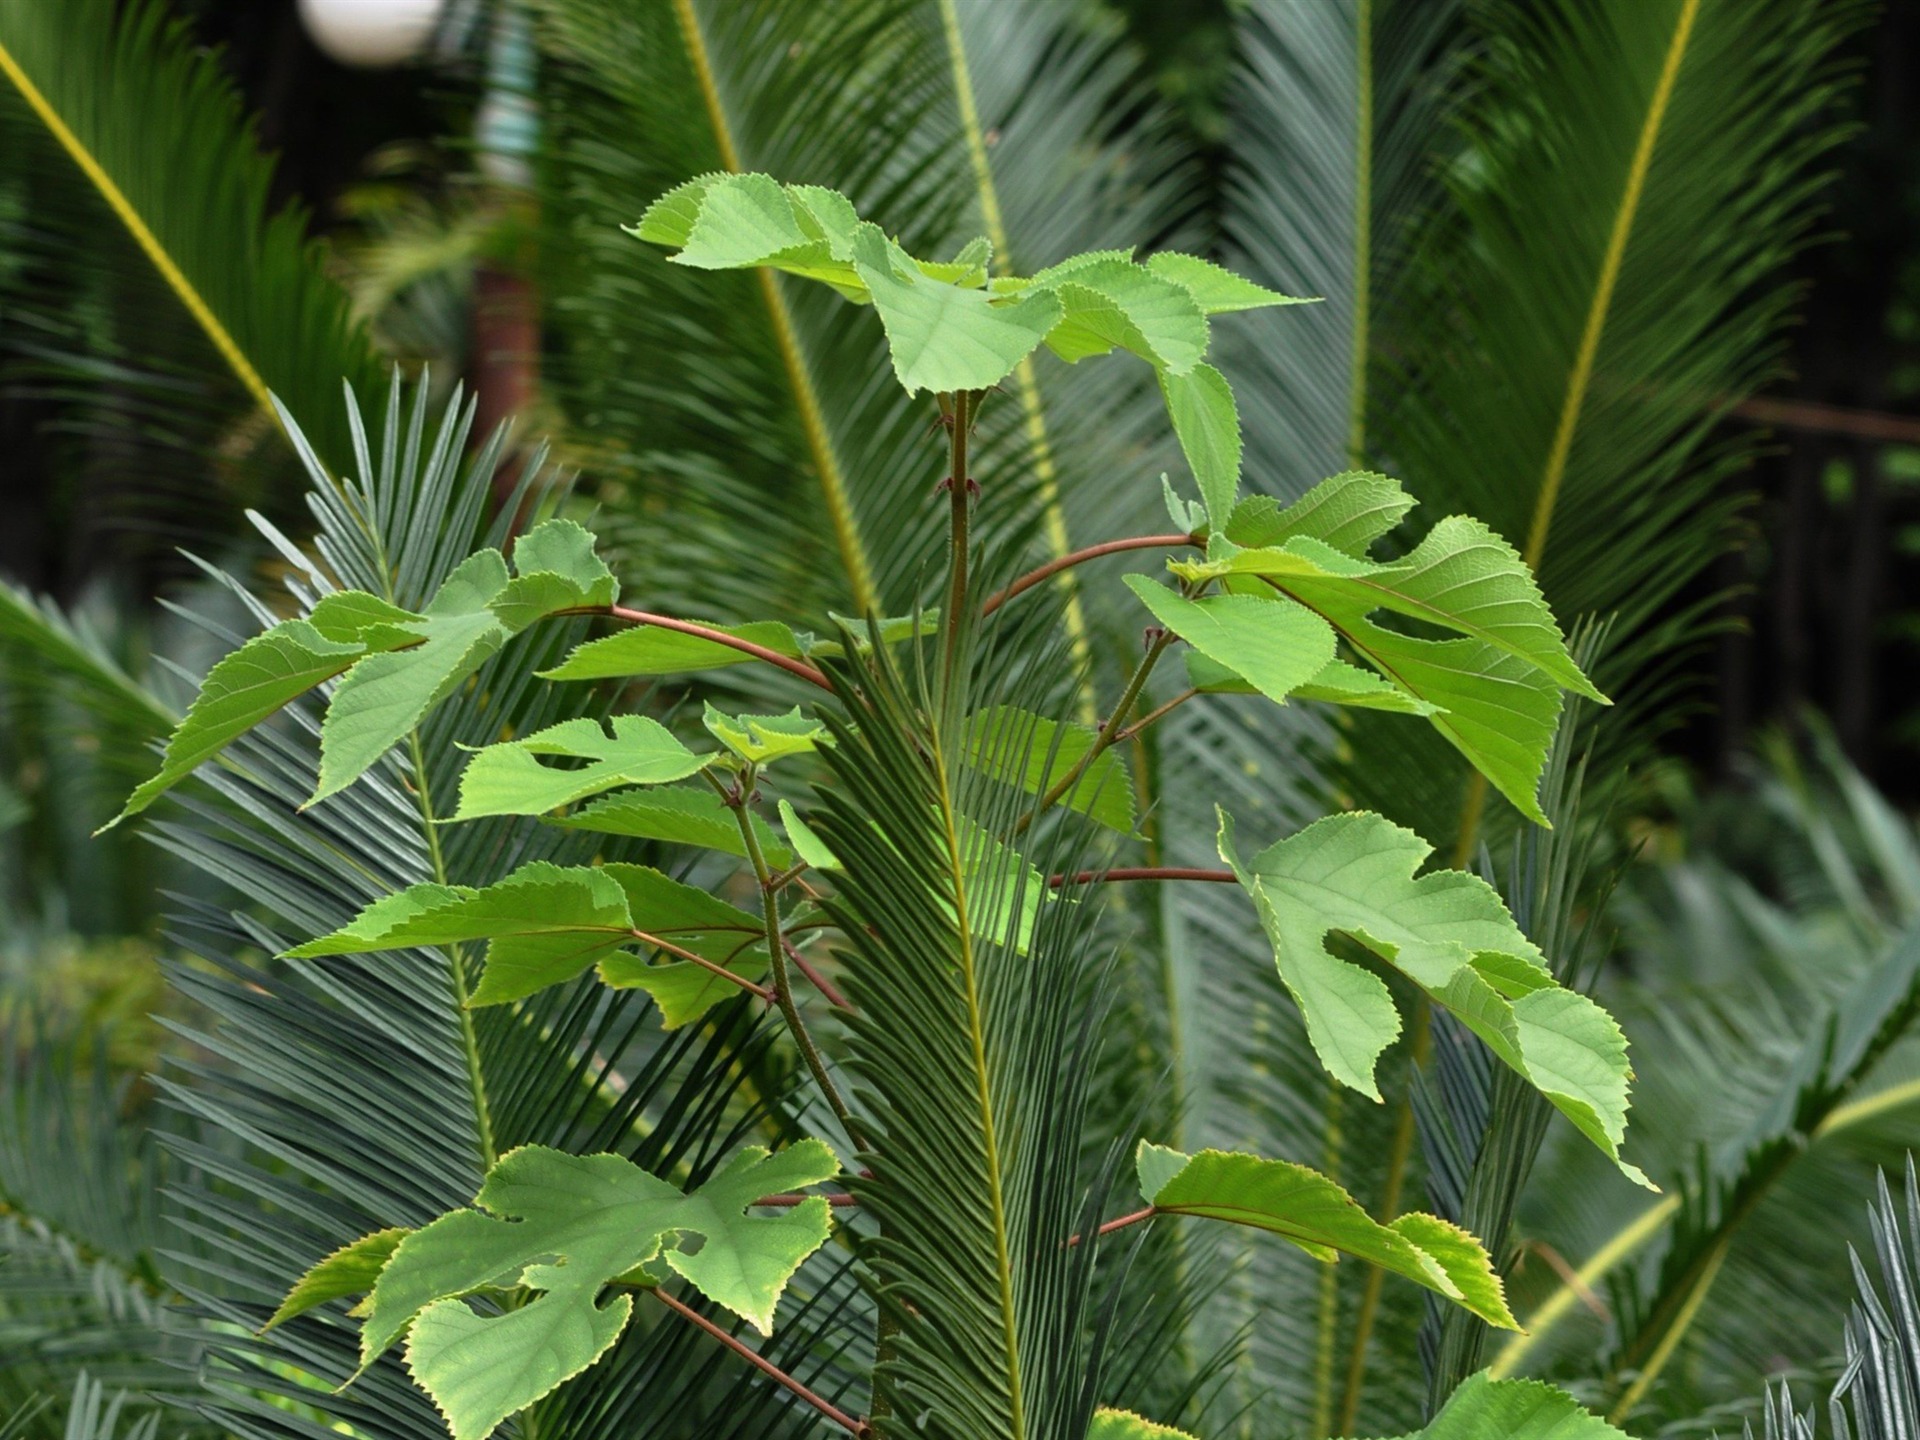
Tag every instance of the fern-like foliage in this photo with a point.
(144, 192)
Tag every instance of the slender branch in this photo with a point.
(1109, 732)
(457, 962)
(706, 632)
(820, 982)
(648, 938)
(1120, 1224)
(1157, 713)
(1080, 557)
(787, 1202)
(1141, 872)
(735, 800)
(765, 1366)
(959, 417)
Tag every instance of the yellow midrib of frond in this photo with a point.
(1581, 378)
(813, 421)
(137, 226)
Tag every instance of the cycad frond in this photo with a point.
(1599, 287)
(970, 1057)
(159, 136)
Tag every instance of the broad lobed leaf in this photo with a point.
(566, 1227)
(544, 924)
(508, 779)
(1448, 932)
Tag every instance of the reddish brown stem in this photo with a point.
(1120, 1224)
(1141, 872)
(718, 637)
(787, 1202)
(705, 964)
(765, 1366)
(820, 982)
(1080, 557)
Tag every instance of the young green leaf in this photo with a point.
(1109, 301)
(255, 681)
(1215, 290)
(650, 650)
(508, 779)
(1207, 424)
(1313, 1212)
(1032, 752)
(476, 610)
(1450, 934)
(758, 739)
(1348, 511)
(947, 337)
(678, 814)
(1125, 1425)
(564, 1227)
(1275, 646)
(1485, 1409)
(350, 1270)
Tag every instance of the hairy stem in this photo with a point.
(765, 1366)
(1080, 557)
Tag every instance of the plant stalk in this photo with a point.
(765, 1366)
(777, 952)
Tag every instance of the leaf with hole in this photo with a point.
(509, 778)
(1448, 932)
(564, 1228)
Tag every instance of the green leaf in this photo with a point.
(246, 687)
(1018, 747)
(947, 337)
(1207, 424)
(556, 569)
(1215, 290)
(678, 814)
(1307, 1208)
(350, 1270)
(544, 923)
(806, 844)
(1344, 684)
(476, 610)
(1451, 935)
(1113, 302)
(508, 779)
(650, 650)
(758, 739)
(1348, 511)
(564, 1226)
(1276, 646)
(1464, 578)
(1484, 1409)
(1125, 1425)
(690, 919)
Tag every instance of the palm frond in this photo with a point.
(971, 1058)
(1793, 1017)
(1598, 288)
(156, 133)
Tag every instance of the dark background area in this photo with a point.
(1821, 597)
